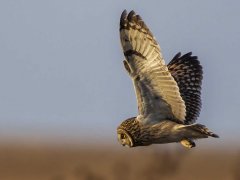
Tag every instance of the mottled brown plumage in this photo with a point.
(168, 96)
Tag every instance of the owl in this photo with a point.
(168, 96)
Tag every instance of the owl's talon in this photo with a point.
(188, 143)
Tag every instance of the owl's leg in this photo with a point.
(188, 143)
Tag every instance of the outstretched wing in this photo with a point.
(157, 92)
(187, 72)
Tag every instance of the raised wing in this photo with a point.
(187, 72)
(157, 92)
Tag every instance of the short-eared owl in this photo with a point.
(168, 96)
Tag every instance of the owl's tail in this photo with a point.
(199, 131)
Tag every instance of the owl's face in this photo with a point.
(124, 138)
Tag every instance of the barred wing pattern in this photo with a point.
(157, 92)
(187, 72)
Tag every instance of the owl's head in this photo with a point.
(128, 132)
(124, 138)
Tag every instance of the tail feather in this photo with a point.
(203, 130)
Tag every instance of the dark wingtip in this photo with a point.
(175, 58)
(123, 18)
(124, 14)
(186, 55)
(177, 55)
(194, 57)
(130, 15)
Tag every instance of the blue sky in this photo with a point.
(61, 70)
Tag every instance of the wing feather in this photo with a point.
(157, 92)
(187, 72)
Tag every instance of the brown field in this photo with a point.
(18, 162)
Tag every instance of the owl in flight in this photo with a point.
(168, 96)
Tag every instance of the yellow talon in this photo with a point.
(188, 143)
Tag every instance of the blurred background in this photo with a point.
(64, 90)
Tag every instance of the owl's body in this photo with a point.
(168, 96)
(166, 131)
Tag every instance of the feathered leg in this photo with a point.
(195, 131)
